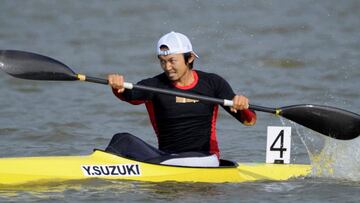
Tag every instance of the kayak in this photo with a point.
(104, 165)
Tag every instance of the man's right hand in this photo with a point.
(116, 81)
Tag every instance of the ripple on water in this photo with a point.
(282, 63)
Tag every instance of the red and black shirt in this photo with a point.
(183, 124)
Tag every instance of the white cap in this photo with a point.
(176, 42)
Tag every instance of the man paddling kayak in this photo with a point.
(185, 128)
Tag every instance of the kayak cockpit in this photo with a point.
(223, 163)
(128, 146)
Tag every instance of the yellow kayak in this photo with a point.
(103, 165)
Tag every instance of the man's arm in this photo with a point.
(135, 97)
(240, 110)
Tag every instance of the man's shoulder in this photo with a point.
(209, 76)
(214, 81)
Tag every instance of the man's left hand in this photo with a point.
(240, 103)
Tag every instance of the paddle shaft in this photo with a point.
(128, 85)
(224, 102)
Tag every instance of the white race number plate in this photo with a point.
(278, 144)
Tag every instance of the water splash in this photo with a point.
(331, 158)
(338, 159)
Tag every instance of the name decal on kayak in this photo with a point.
(111, 170)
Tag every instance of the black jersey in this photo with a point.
(183, 124)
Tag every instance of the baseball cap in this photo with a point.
(176, 42)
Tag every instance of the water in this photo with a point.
(278, 53)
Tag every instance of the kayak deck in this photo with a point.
(100, 164)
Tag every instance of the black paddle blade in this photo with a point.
(333, 122)
(33, 66)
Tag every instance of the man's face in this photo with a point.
(174, 66)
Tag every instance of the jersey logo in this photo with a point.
(185, 100)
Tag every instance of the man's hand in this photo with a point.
(116, 81)
(240, 103)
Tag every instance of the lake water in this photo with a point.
(278, 53)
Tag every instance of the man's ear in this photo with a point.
(192, 57)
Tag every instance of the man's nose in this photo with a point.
(167, 66)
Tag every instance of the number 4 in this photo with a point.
(281, 148)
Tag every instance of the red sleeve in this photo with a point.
(247, 117)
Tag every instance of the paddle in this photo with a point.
(333, 122)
